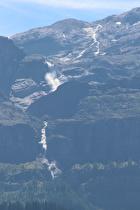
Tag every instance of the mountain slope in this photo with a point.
(10, 56)
(110, 45)
(62, 103)
(82, 81)
(78, 50)
(18, 134)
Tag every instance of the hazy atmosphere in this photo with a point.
(69, 105)
(20, 15)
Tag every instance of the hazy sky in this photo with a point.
(21, 15)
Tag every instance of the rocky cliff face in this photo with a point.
(62, 103)
(18, 144)
(19, 134)
(110, 46)
(78, 50)
(82, 81)
(10, 56)
(73, 142)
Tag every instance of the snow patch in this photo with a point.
(114, 40)
(136, 23)
(23, 83)
(64, 35)
(64, 59)
(118, 23)
(81, 54)
(49, 64)
(103, 53)
(25, 102)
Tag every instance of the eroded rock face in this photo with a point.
(76, 50)
(18, 144)
(19, 134)
(110, 45)
(73, 142)
(21, 77)
(91, 130)
(81, 51)
(10, 56)
(62, 103)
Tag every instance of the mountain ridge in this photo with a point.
(71, 113)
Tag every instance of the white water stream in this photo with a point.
(92, 33)
(52, 167)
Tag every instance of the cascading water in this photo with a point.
(43, 136)
(55, 171)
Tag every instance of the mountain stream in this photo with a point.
(52, 167)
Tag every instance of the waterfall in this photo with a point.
(43, 136)
(52, 167)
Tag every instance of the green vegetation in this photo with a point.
(99, 166)
(26, 183)
(31, 206)
(113, 103)
(24, 190)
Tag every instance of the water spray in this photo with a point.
(52, 167)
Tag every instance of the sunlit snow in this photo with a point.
(118, 23)
(136, 23)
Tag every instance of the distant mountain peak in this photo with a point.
(131, 17)
(78, 50)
